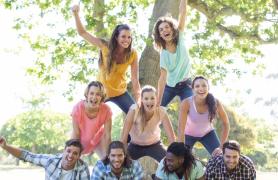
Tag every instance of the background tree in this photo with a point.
(223, 33)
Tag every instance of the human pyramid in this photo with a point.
(92, 118)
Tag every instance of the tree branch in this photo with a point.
(235, 35)
(211, 15)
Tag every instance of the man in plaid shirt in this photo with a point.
(65, 166)
(230, 165)
(117, 165)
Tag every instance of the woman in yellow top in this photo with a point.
(115, 58)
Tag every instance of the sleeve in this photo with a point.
(37, 159)
(253, 171)
(98, 173)
(199, 170)
(137, 170)
(162, 61)
(159, 172)
(209, 174)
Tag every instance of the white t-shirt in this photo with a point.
(66, 175)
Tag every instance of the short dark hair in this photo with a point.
(231, 144)
(118, 145)
(74, 142)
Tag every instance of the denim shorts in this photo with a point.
(182, 89)
(124, 101)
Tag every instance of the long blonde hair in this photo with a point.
(142, 112)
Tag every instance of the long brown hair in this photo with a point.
(118, 145)
(112, 45)
(159, 42)
(210, 100)
(142, 112)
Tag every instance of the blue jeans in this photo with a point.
(210, 141)
(124, 101)
(182, 89)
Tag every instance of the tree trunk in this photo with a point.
(149, 69)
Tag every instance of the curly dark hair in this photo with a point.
(179, 149)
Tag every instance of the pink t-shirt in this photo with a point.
(91, 130)
(197, 124)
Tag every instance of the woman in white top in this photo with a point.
(142, 123)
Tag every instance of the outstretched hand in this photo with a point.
(2, 142)
(75, 9)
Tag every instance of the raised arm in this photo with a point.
(161, 85)
(127, 125)
(135, 81)
(82, 31)
(16, 152)
(225, 123)
(167, 125)
(184, 108)
(182, 15)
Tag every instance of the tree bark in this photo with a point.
(149, 69)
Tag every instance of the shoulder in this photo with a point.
(246, 161)
(82, 164)
(214, 162)
(186, 102)
(99, 166)
(135, 163)
(105, 107)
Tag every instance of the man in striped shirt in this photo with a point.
(230, 165)
(65, 166)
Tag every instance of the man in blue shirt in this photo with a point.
(65, 166)
(117, 165)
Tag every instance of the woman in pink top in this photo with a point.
(142, 123)
(91, 120)
(196, 115)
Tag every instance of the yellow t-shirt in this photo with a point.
(115, 82)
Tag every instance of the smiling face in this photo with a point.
(116, 158)
(200, 88)
(231, 158)
(94, 96)
(149, 101)
(124, 38)
(71, 155)
(165, 31)
(173, 162)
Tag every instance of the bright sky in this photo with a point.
(15, 56)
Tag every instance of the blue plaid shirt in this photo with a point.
(53, 167)
(216, 169)
(104, 172)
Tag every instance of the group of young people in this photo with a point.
(92, 118)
